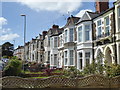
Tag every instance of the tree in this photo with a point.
(7, 49)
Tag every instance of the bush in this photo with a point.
(72, 72)
(13, 68)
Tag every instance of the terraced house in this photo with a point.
(83, 39)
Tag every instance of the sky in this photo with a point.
(40, 16)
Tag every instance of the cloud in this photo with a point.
(80, 14)
(6, 33)
(60, 6)
(10, 36)
(3, 21)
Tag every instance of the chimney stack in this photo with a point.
(102, 5)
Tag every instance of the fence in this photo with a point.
(93, 81)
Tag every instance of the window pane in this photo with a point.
(71, 57)
(107, 20)
(87, 54)
(55, 59)
(65, 35)
(87, 35)
(80, 34)
(80, 60)
(119, 11)
(55, 42)
(87, 27)
(99, 31)
(99, 22)
(71, 34)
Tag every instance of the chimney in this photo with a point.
(102, 5)
(55, 26)
(44, 33)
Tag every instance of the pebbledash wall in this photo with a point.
(80, 41)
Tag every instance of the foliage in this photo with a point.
(72, 72)
(13, 67)
(112, 70)
(90, 69)
(7, 49)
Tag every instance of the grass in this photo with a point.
(58, 71)
(28, 72)
(39, 77)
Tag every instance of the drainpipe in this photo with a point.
(115, 45)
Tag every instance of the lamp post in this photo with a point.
(24, 36)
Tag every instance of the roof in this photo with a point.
(88, 16)
(71, 21)
(104, 12)
(55, 30)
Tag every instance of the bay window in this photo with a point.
(80, 34)
(107, 25)
(71, 57)
(87, 32)
(71, 35)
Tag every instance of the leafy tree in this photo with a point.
(13, 68)
(7, 49)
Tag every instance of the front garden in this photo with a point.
(33, 70)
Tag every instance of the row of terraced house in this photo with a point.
(80, 41)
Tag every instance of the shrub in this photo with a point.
(72, 72)
(13, 67)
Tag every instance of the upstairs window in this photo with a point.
(51, 43)
(87, 32)
(80, 34)
(119, 18)
(65, 36)
(55, 42)
(107, 25)
(99, 28)
(71, 34)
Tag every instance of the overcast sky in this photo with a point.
(40, 16)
